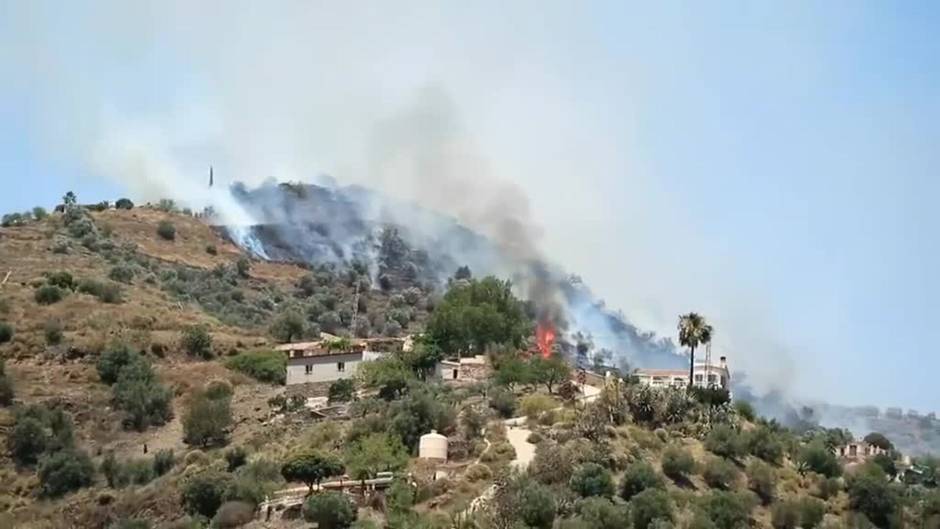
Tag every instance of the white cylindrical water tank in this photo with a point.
(433, 446)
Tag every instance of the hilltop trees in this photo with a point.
(477, 313)
(693, 332)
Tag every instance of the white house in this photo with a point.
(317, 362)
(704, 376)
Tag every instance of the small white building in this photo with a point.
(704, 376)
(433, 446)
(858, 451)
(318, 362)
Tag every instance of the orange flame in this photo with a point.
(545, 338)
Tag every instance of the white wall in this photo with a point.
(322, 368)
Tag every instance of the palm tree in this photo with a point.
(693, 331)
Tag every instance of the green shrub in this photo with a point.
(6, 332)
(330, 510)
(536, 404)
(720, 473)
(49, 294)
(207, 420)
(871, 494)
(762, 479)
(52, 330)
(166, 230)
(203, 493)
(805, 513)
(727, 510)
(40, 213)
(105, 292)
(64, 472)
(6, 386)
(163, 461)
(601, 513)
(232, 514)
(113, 359)
(288, 326)
(725, 441)
(122, 273)
(235, 458)
(61, 279)
(591, 479)
(637, 478)
(124, 203)
(197, 341)
(211, 249)
(649, 506)
(38, 431)
(745, 409)
(678, 463)
(828, 487)
(265, 366)
(243, 267)
(139, 394)
(342, 390)
(819, 459)
(764, 443)
(503, 401)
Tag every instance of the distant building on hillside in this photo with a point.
(468, 369)
(331, 359)
(704, 376)
(858, 451)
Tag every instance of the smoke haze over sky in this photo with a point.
(773, 167)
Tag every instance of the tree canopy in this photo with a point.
(477, 313)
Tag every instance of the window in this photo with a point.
(455, 374)
(341, 366)
(698, 378)
(308, 369)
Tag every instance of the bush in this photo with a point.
(211, 249)
(342, 390)
(503, 401)
(105, 292)
(871, 494)
(6, 386)
(38, 431)
(600, 513)
(288, 326)
(762, 442)
(64, 472)
(727, 510)
(478, 472)
(122, 273)
(762, 479)
(202, 494)
(805, 513)
(552, 464)
(39, 213)
(138, 393)
(49, 294)
(197, 341)
(265, 366)
(649, 506)
(124, 203)
(591, 479)
(725, 441)
(207, 420)
(533, 406)
(112, 360)
(163, 462)
(745, 410)
(233, 514)
(330, 510)
(6, 332)
(879, 440)
(819, 459)
(52, 330)
(61, 279)
(886, 463)
(720, 473)
(235, 458)
(166, 230)
(678, 463)
(637, 478)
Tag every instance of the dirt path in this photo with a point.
(518, 437)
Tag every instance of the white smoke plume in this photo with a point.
(445, 107)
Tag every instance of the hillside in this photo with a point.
(124, 415)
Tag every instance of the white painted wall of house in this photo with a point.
(327, 368)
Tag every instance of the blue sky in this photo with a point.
(772, 165)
